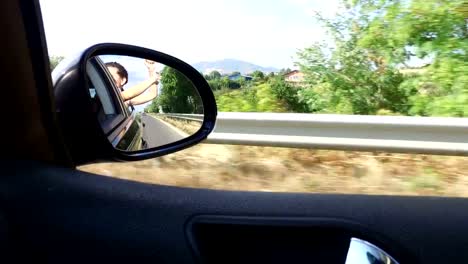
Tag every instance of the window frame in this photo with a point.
(122, 112)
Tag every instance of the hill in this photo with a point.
(227, 66)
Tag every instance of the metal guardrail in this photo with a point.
(187, 117)
(425, 135)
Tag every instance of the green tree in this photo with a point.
(343, 77)
(178, 94)
(397, 32)
(153, 107)
(258, 75)
(214, 75)
(54, 61)
(224, 82)
(287, 94)
(285, 71)
(242, 82)
(259, 98)
(215, 84)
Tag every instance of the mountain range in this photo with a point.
(227, 66)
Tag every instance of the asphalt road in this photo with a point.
(156, 133)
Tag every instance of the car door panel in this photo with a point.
(117, 218)
(271, 239)
(130, 137)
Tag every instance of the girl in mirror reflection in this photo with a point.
(136, 95)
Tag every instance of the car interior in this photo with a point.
(52, 213)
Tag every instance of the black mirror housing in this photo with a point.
(84, 137)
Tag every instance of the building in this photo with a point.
(238, 76)
(295, 77)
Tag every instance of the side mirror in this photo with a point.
(122, 102)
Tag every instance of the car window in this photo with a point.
(108, 111)
(98, 89)
(372, 60)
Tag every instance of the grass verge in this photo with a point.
(274, 169)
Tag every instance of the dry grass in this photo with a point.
(298, 170)
(189, 127)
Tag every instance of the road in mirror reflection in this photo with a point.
(159, 104)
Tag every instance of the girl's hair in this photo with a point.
(121, 71)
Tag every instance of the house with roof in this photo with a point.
(237, 76)
(295, 77)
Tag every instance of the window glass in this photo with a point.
(98, 89)
(356, 57)
(359, 57)
(102, 102)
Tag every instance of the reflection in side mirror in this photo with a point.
(142, 104)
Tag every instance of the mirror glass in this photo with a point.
(141, 103)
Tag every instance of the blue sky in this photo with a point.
(264, 32)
